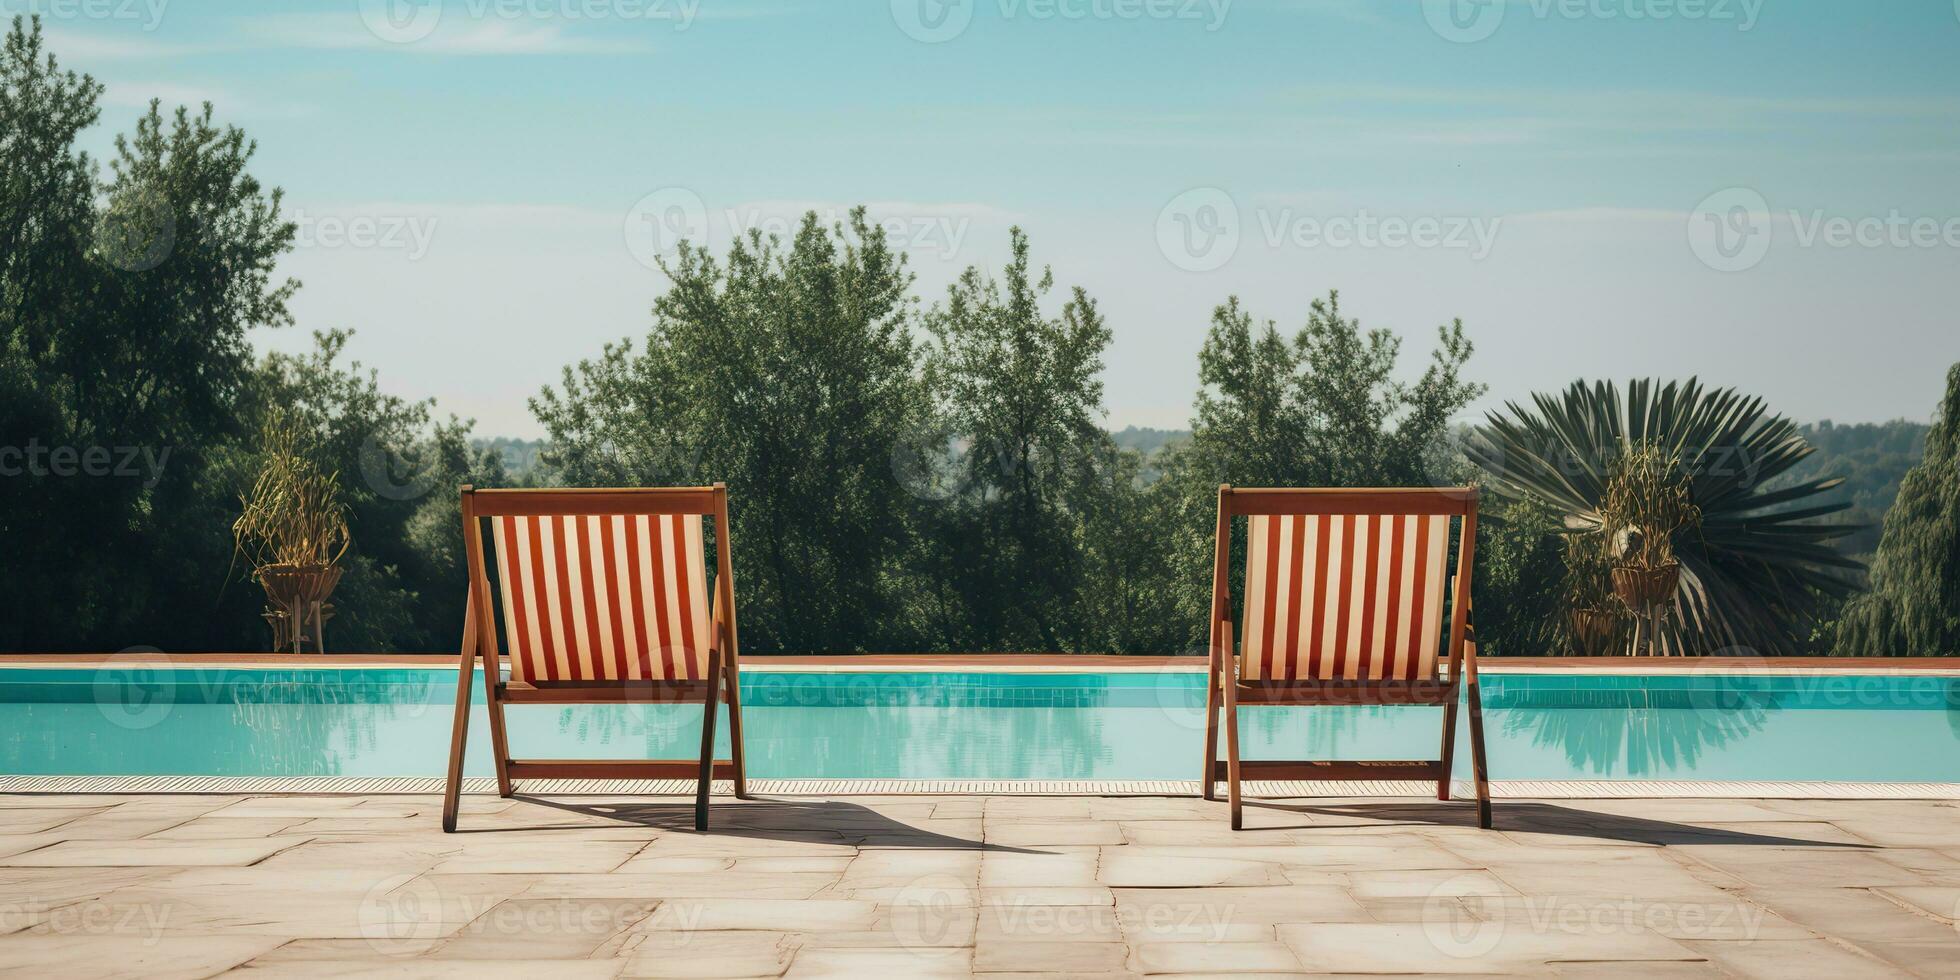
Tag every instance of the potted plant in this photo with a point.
(293, 529)
(1595, 615)
(1648, 500)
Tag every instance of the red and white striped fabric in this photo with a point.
(1343, 596)
(603, 597)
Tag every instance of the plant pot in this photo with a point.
(1642, 588)
(297, 595)
(1596, 632)
(289, 584)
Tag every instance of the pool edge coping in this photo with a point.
(1575, 789)
(1053, 664)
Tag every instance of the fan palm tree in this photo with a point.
(1753, 572)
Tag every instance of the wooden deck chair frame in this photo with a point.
(721, 683)
(1227, 688)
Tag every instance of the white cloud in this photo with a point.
(76, 48)
(453, 36)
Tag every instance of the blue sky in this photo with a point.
(1597, 187)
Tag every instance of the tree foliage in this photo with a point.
(129, 394)
(789, 373)
(1753, 571)
(1322, 408)
(1022, 391)
(1913, 608)
(124, 303)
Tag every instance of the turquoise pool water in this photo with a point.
(395, 722)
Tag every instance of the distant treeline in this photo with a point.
(1871, 457)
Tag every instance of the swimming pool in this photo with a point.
(1134, 725)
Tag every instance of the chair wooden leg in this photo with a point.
(1208, 784)
(1478, 770)
(732, 690)
(1232, 755)
(707, 742)
(452, 791)
(494, 708)
(1448, 755)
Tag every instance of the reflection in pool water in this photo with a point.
(395, 722)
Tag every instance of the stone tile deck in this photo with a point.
(191, 886)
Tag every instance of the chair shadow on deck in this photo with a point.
(1533, 818)
(811, 821)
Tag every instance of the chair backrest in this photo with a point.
(1346, 584)
(600, 585)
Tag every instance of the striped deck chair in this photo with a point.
(1345, 596)
(600, 597)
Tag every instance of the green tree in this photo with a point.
(122, 328)
(1519, 588)
(1023, 390)
(1319, 409)
(124, 308)
(789, 373)
(1913, 608)
(1322, 409)
(1127, 602)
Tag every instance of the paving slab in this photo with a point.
(953, 886)
(134, 957)
(141, 852)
